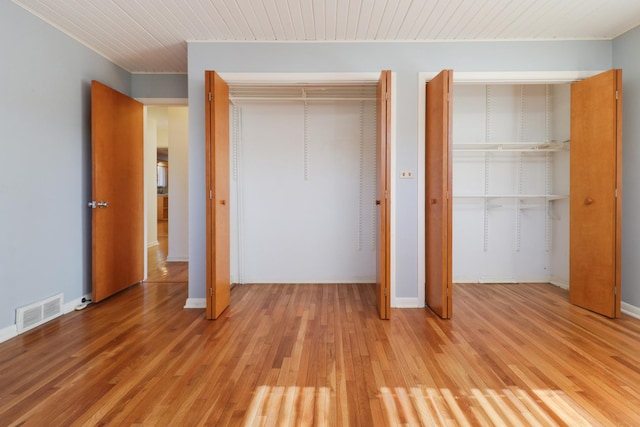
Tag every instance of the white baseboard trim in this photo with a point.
(71, 305)
(7, 333)
(152, 244)
(561, 283)
(177, 259)
(630, 310)
(196, 303)
(406, 303)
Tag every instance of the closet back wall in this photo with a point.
(303, 182)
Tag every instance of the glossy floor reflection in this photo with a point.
(159, 270)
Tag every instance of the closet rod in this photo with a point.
(238, 99)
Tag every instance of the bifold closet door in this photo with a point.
(218, 285)
(383, 159)
(596, 193)
(117, 217)
(438, 289)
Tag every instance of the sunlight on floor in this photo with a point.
(417, 406)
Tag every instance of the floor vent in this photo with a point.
(38, 313)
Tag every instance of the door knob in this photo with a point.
(434, 201)
(99, 204)
(377, 202)
(588, 201)
(223, 202)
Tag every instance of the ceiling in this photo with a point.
(150, 35)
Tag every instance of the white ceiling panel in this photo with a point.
(151, 35)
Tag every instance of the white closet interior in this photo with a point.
(511, 183)
(303, 183)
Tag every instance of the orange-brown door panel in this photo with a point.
(117, 223)
(438, 277)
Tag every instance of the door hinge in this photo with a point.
(209, 96)
(210, 292)
(616, 94)
(616, 193)
(386, 96)
(386, 194)
(210, 194)
(385, 292)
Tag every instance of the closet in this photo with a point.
(302, 192)
(303, 183)
(511, 183)
(535, 193)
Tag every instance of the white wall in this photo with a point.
(507, 239)
(150, 177)
(178, 140)
(303, 213)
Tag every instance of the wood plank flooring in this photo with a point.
(318, 355)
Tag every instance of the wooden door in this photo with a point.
(218, 289)
(383, 160)
(438, 289)
(596, 193)
(117, 219)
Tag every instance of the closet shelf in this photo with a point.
(551, 146)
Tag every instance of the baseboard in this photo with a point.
(196, 303)
(406, 303)
(630, 310)
(502, 279)
(561, 283)
(152, 244)
(71, 305)
(7, 333)
(177, 259)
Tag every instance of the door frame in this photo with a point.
(152, 102)
(485, 77)
(328, 78)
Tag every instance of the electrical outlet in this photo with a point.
(406, 174)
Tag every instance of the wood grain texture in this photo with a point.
(438, 217)
(383, 226)
(217, 174)
(319, 355)
(117, 178)
(596, 173)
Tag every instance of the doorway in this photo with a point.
(166, 192)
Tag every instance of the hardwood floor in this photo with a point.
(159, 270)
(318, 355)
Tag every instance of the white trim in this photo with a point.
(169, 73)
(492, 77)
(630, 310)
(412, 41)
(8, 332)
(163, 101)
(299, 78)
(71, 305)
(561, 283)
(196, 303)
(177, 259)
(394, 188)
(407, 303)
(366, 77)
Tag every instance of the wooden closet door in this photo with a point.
(383, 160)
(117, 220)
(218, 291)
(438, 289)
(596, 193)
